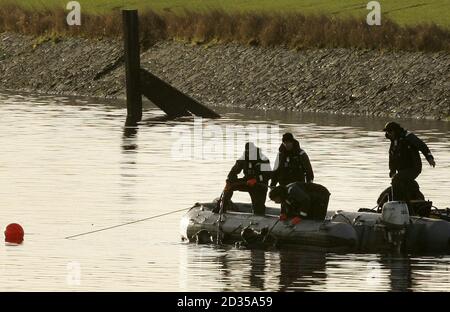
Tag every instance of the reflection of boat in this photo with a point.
(346, 231)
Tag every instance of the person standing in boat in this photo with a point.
(405, 164)
(256, 168)
(292, 163)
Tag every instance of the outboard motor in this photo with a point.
(395, 214)
(395, 218)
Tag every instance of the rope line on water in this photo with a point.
(128, 223)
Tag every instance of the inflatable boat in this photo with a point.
(391, 230)
(239, 225)
(410, 234)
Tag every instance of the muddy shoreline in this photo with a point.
(338, 81)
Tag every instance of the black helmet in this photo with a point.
(279, 191)
(287, 137)
(392, 126)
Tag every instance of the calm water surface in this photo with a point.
(68, 166)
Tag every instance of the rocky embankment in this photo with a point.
(400, 84)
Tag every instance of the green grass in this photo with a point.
(404, 12)
(290, 28)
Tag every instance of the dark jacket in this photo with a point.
(306, 200)
(292, 166)
(253, 167)
(297, 202)
(404, 153)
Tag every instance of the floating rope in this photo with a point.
(128, 223)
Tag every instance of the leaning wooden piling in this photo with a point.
(141, 82)
(171, 100)
(132, 65)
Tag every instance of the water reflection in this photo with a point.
(309, 270)
(302, 270)
(129, 166)
(129, 133)
(312, 270)
(70, 166)
(257, 269)
(400, 272)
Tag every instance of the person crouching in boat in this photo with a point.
(295, 201)
(301, 201)
(256, 168)
(405, 164)
(292, 163)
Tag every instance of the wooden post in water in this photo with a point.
(132, 66)
(141, 82)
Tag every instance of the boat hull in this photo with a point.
(421, 235)
(230, 226)
(340, 231)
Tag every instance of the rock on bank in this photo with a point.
(343, 81)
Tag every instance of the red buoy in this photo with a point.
(14, 234)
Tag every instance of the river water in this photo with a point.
(69, 166)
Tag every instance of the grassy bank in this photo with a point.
(403, 12)
(290, 29)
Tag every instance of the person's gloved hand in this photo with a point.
(431, 161)
(251, 182)
(283, 217)
(296, 220)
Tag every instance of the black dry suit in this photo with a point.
(404, 153)
(292, 166)
(405, 164)
(256, 166)
(305, 200)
